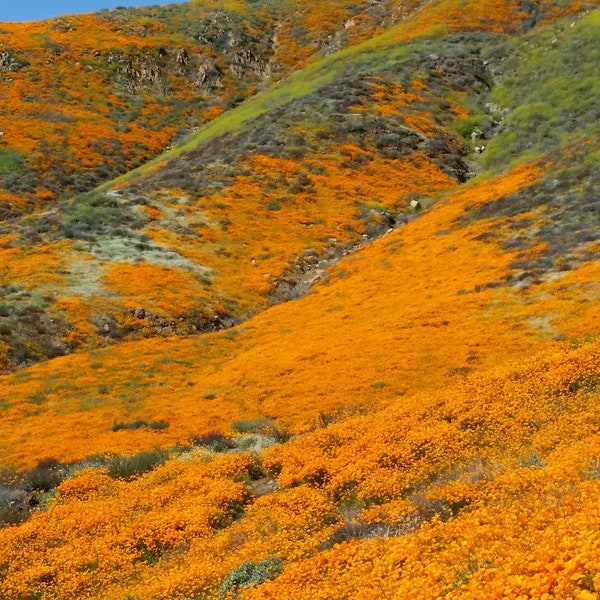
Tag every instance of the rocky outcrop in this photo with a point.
(311, 266)
(222, 43)
(10, 61)
(209, 76)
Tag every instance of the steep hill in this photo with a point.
(88, 97)
(339, 343)
(287, 161)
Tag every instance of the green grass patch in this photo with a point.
(552, 85)
(128, 467)
(9, 160)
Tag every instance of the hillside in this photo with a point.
(338, 342)
(88, 97)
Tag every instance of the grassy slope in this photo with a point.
(86, 97)
(472, 472)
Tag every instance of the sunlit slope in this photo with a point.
(484, 488)
(492, 270)
(430, 301)
(87, 97)
(234, 217)
(459, 478)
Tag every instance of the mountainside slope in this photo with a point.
(88, 96)
(416, 418)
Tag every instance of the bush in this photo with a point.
(252, 426)
(249, 574)
(47, 475)
(465, 127)
(215, 442)
(128, 467)
(138, 424)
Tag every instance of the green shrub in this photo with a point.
(465, 127)
(214, 441)
(250, 574)
(252, 426)
(127, 467)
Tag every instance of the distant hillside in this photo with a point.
(341, 341)
(88, 97)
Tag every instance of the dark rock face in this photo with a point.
(10, 61)
(220, 43)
